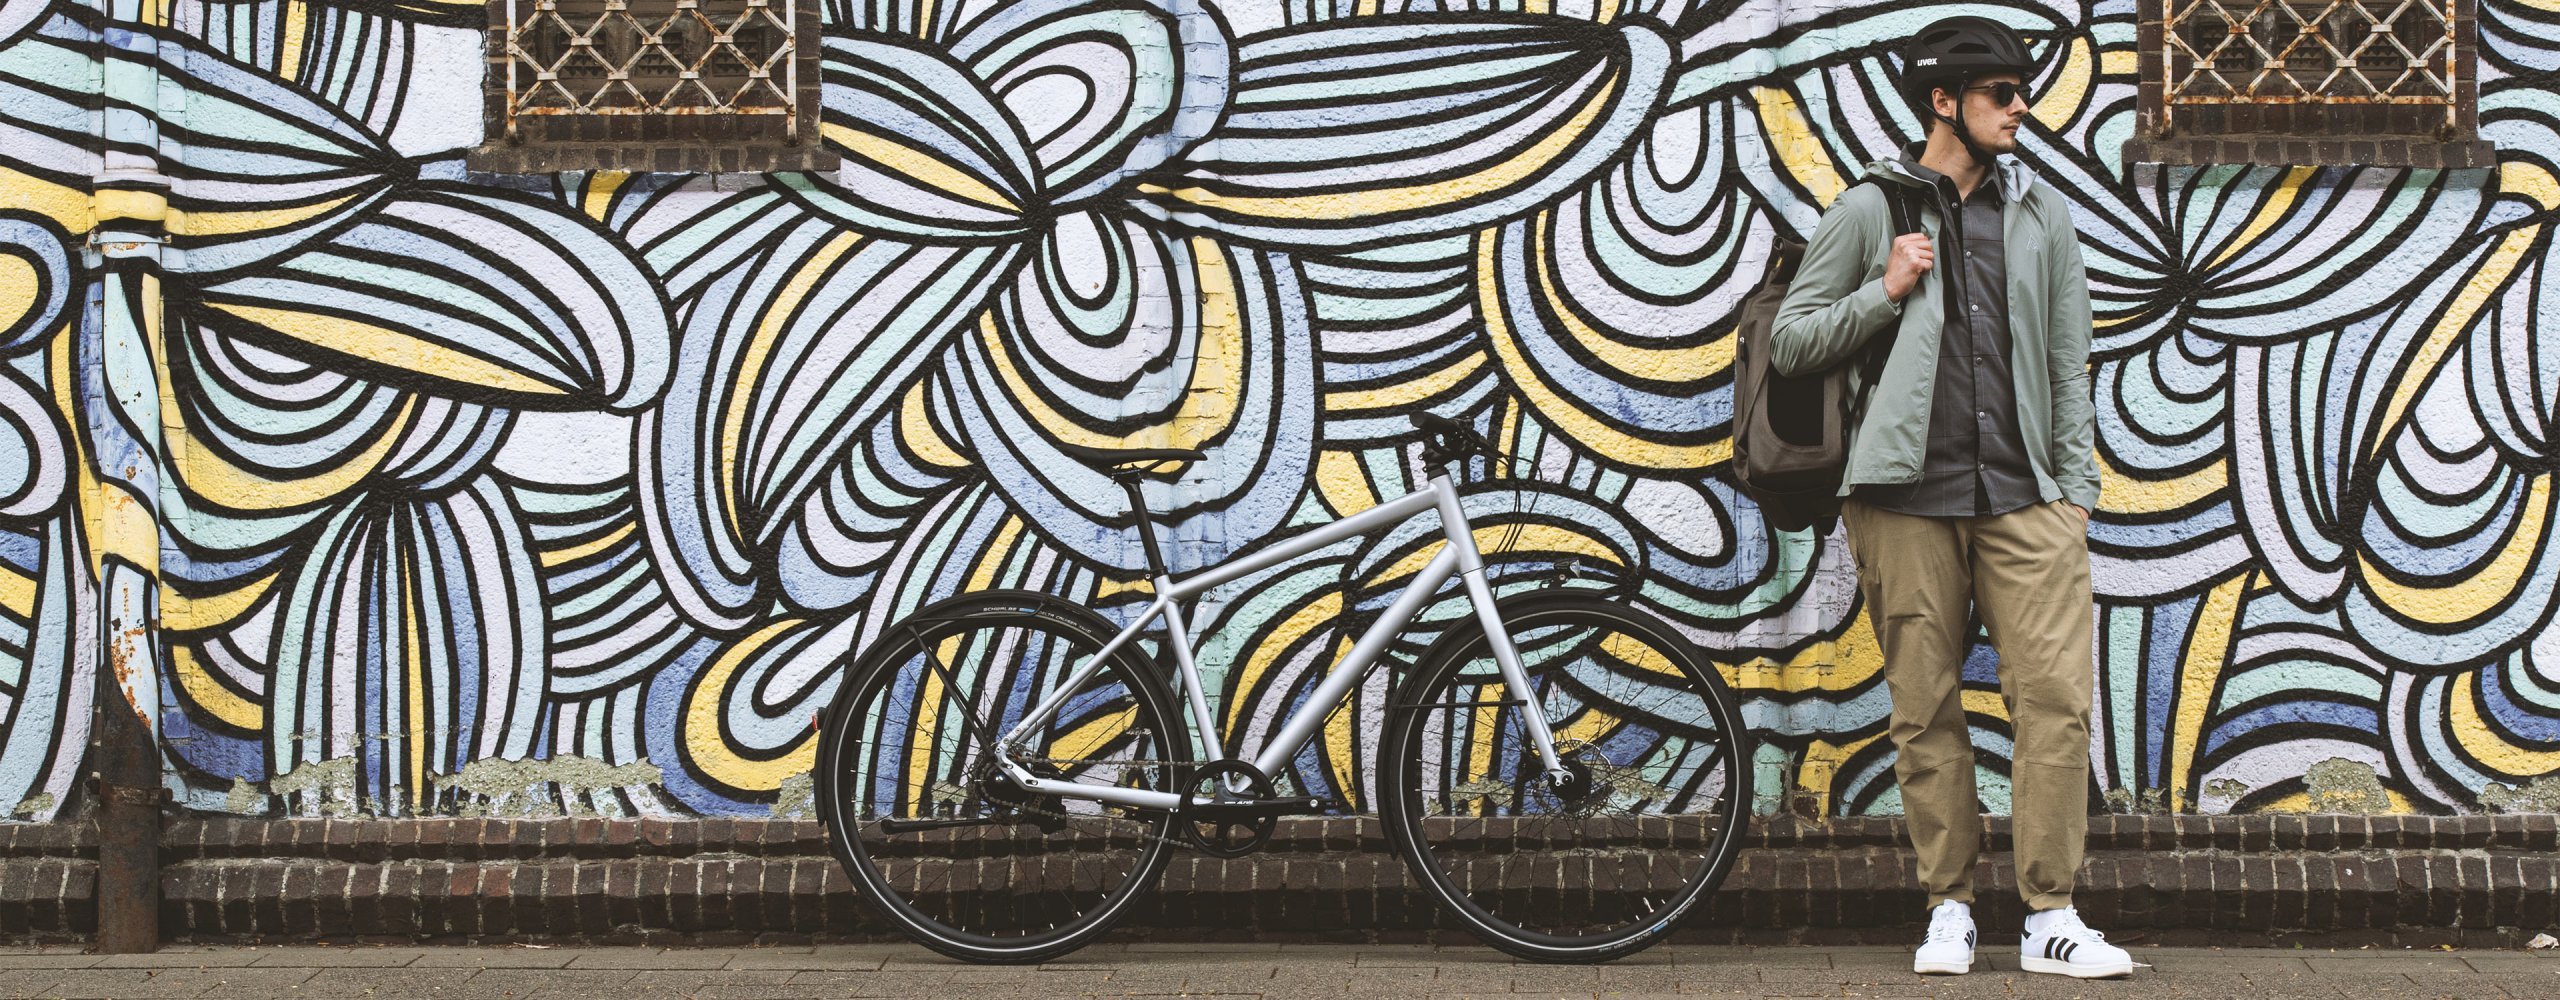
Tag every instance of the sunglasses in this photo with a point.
(2003, 93)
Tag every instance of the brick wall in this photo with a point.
(2472, 880)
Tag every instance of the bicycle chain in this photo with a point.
(1170, 840)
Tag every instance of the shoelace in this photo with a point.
(1945, 930)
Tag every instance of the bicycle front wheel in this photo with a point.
(1601, 867)
(938, 841)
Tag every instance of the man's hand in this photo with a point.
(2084, 513)
(1911, 257)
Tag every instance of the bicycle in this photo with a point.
(1002, 773)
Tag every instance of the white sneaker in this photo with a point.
(1948, 951)
(2068, 947)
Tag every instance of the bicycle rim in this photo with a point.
(1552, 876)
(1039, 876)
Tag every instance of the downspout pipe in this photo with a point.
(122, 394)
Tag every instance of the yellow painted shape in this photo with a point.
(744, 390)
(2279, 198)
(1640, 654)
(67, 207)
(17, 593)
(2531, 180)
(922, 437)
(1987, 703)
(2119, 62)
(702, 723)
(1208, 403)
(993, 556)
(1535, 160)
(18, 281)
(2056, 107)
(2465, 599)
(601, 187)
(1820, 771)
(2121, 493)
(250, 220)
(2481, 738)
(1843, 664)
(115, 203)
(2300, 802)
(917, 165)
(208, 693)
(1114, 587)
(1344, 482)
(1798, 148)
(297, 24)
(1591, 725)
(1402, 394)
(1095, 735)
(393, 348)
(413, 646)
(179, 613)
(1533, 538)
(1714, 356)
(1564, 413)
(2449, 328)
(2208, 651)
(555, 557)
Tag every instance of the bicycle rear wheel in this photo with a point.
(937, 841)
(1601, 869)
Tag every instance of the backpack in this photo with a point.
(1791, 433)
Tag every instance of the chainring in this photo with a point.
(1224, 836)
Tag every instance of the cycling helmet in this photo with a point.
(1954, 51)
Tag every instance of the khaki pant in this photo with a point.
(2027, 573)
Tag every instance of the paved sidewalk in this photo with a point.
(503, 972)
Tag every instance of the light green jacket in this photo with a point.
(1837, 302)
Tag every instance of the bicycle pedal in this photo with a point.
(1296, 805)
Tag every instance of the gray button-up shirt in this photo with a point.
(1977, 461)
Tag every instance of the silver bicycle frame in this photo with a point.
(1459, 557)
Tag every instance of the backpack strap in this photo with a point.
(1897, 202)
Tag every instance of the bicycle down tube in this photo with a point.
(1459, 558)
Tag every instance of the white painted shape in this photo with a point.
(441, 110)
(567, 449)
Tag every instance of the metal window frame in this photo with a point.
(2181, 64)
(791, 109)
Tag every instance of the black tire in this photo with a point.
(1654, 728)
(1025, 886)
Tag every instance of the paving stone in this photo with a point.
(337, 958)
(650, 958)
(495, 958)
(181, 958)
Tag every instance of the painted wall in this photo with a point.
(388, 488)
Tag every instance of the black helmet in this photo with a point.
(1957, 49)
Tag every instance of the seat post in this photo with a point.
(1146, 526)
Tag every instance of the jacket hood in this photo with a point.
(2015, 177)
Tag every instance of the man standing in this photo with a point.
(1970, 477)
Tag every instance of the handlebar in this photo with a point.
(1446, 440)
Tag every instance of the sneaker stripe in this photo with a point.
(2068, 947)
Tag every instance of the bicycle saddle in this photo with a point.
(1132, 463)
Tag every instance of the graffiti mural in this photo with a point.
(571, 493)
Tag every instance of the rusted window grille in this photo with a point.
(652, 57)
(2311, 52)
